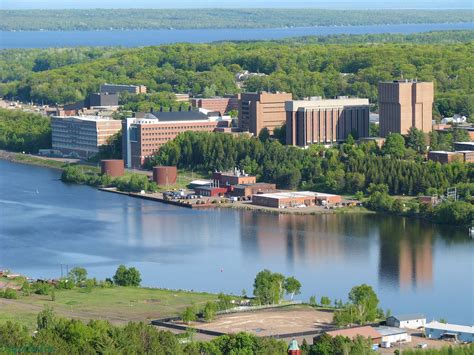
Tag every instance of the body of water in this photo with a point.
(137, 38)
(414, 266)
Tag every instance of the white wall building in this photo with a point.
(392, 335)
(407, 321)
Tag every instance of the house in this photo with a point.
(407, 321)
(392, 335)
(437, 330)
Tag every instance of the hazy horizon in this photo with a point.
(180, 4)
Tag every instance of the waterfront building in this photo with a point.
(118, 88)
(326, 121)
(295, 199)
(392, 335)
(404, 104)
(142, 137)
(81, 136)
(210, 191)
(262, 110)
(235, 177)
(247, 190)
(438, 330)
(217, 104)
(407, 321)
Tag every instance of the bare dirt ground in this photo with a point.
(270, 322)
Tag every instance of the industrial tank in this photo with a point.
(112, 167)
(165, 175)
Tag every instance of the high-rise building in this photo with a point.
(81, 136)
(404, 104)
(142, 137)
(262, 110)
(326, 121)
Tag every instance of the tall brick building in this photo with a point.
(217, 104)
(82, 136)
(326, 121)
(405, 104)
(142, 137)
(262, 110)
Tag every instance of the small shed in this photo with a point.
(407, 321)
(393, 335)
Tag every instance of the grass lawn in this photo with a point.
(119, 305)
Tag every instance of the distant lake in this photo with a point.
(137, 38)
(413, 265)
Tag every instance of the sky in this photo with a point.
(334, 4)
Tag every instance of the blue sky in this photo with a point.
(352, 4)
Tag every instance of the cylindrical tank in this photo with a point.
(112, 167)
(165, 175)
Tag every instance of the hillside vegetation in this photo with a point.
(324, 70)
(106, 19)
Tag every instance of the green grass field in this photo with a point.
(119, 305)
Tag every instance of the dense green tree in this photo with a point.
(189, 315)
(78, 275)
(394, 145)
(127, 277)
(416, 140)
(209, 311)
(292, 286)
(268, 287)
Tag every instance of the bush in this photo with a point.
(42, 288)
(127, 277)
(10, 294)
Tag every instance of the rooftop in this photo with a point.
(465, 143)
(86, 118)
(295, 194)
(404, 317)
(450, 327)
(366, 332)
(384, 331)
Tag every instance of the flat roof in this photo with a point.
(467, 143)
(327, 103)
(366, 332)
(252, 185)
(450, 327)
(295, 194)
(86, 118)
(412, 316)
(384, 330)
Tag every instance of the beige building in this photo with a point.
(262, 110)
(405, 104)
(81, 136)
(326, 121)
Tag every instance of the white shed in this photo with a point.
(407, 321)
(392, 335)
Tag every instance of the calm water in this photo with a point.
(137, 38)
(414, 266)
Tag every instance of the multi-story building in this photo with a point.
(405, 104)
(142, 137)
(217, 104)
(236, 177)
(326, 121)
(81, 136)
(262, 110)
(117, 88)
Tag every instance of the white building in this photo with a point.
(437, 330)
(392, 335)
(407, 321)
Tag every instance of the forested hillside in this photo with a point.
(303, 69)
(94, 19)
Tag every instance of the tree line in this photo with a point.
(326, 70)
(106, 19)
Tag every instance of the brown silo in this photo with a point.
(165, 175)
(112, 167)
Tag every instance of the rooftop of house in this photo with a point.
(384, 330)
(295, 194)
(405, 317)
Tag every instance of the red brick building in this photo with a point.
(235, 177)
(142, 137)
(217, 104)
(210, 191)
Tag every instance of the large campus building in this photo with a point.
(326, 121)
(117, 88)
(81, 136)
(262, 110)
(217, 104)
(142, 137)
(404, 104)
